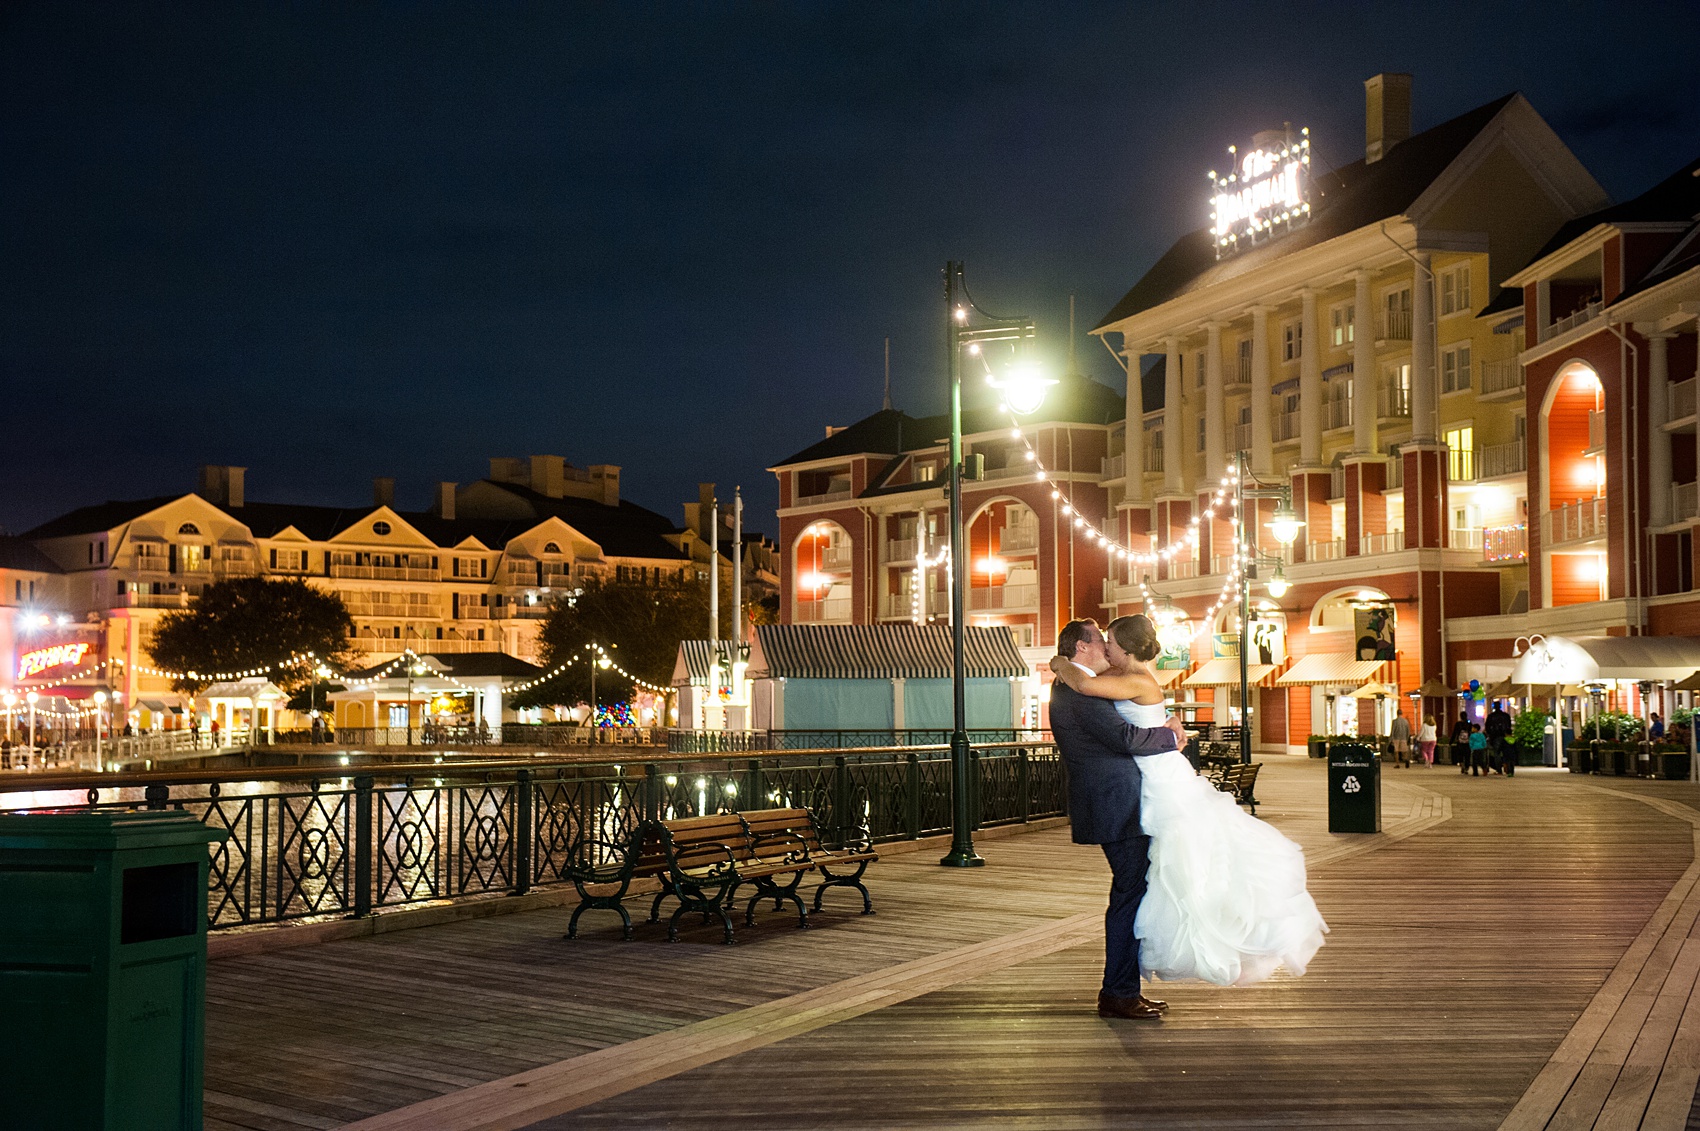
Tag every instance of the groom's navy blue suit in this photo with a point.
(1101, 752)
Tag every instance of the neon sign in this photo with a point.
(1269, 186)
(59, 655)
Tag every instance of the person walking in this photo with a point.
(1478, 751)
(1399, 737)
(1461, 742)
(1426, 738)
(1498, 730)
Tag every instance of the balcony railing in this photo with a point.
(1285, 425)
(897, 605)
(473, 612)
(1465, 538)
(1575, 522)
(1395, 402)
(835, 611)
(1571, 321)
(1683, 502)
(1182, 568)
(1113, 467)
(828, 497)
(1505, 543)
(1003, 597)
(1337, 413)
(901, 549)
(135, 599)
(1396, 326)
(1011, 470)
(448, 646)
(836, 557)
(1239, 373)
(1016, 539)
(1596, 431)
(1390, 543)
(384, 573)
(1239, 438)
(1153, 458)
(1461, 465)
(1501, 377)
(1682, 399)
(1504, 459)
(1325, 551)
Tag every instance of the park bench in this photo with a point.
(1239, 779)
(703, 861)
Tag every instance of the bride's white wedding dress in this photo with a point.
(1225, 898)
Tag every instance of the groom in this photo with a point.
(1100, 752)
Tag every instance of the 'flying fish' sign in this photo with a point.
(1268, 188)
(57, 656)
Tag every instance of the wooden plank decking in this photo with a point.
(1507, 948)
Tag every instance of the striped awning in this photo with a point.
(1331, 668)
(881, 651)
(1167, 677)
(693, 665)
(1225, 672)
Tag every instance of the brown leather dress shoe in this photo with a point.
(1131, 1008)
(1159, 1006)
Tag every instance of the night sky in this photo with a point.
(330, 242)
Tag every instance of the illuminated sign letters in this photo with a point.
(58, 656)
(1269, 186)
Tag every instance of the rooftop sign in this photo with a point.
(1269, 188)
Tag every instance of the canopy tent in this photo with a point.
(1375, 691)
(1559, 659)
(1692, 683)
(1432, 688)
(1333, 668)
(1225, 672)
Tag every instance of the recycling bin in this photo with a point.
(103, 951)
(1354, 788)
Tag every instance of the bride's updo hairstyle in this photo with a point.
(1137, 636)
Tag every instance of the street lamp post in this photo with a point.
(99, 718)
(598, 661)
(31, 698)
(1285, 526)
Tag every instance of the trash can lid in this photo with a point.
(103, 829)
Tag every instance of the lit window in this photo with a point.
(1343, 326)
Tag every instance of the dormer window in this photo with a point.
(188, 528)
(380, 527)
(552, 548)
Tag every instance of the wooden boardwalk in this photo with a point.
(1510, 951)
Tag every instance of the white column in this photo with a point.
(1365, 381)
(1658, 440)
(1262, 438)
(1425, 396)
(1174, 443)
(1213, 410)
(1133, 446)
(1310, 383)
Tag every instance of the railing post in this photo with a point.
(362, 846)
(523, 830)
(651, 793)
(974, 787)
(1024, 783)
(913, 801)
(841, 797)
(157, 796)
(755, 788)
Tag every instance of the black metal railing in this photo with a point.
(738, 741)
(304, 844)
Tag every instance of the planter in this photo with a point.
(1581, 759)
(1672, 764)
(1318, 747)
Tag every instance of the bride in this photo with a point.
(1225, 898)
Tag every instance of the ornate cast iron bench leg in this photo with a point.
(854, 880)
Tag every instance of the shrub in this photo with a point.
(1529, 731)
(1612, 726)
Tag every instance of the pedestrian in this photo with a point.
(1498, 731)
(1460, 743)
(214, 731)
(1478, 751)
(1657, 730)
(1426, 739)
(1399, 736)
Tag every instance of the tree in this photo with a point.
(640, 625)
(248, 623)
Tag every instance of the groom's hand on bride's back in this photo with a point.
(1181, 735)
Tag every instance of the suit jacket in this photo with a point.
(1101, 752)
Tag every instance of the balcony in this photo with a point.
(897, 606)
(1113, 467)
(1505, 543)
(1182, 568)
(1337, 413)
(1285, 426)
(1597, 431)
(1018, 539)
(384, 573)
(1022, 598)
(1390, 543)
(835, 611)
(1582, 521)
(1682, 399)
(1683, 502)
(1461, 465)
(1395, 403)
(1465, 538)
(1571, 321)
(829, 497)
(1238, 375)
(1325, 551)
(472, 612)
(1396, 326)
(395, 646)
(835, 557)
(135, 599)
(1504, 459)
(1154, 458)
(1501, 379)
(901, 549)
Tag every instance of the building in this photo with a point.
(474, 574)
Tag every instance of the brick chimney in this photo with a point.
(1387, 114)
(445, 507)
(222, 485)
(383, 491)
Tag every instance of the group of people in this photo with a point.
(1478, 749)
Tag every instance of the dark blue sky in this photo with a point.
(337, 241)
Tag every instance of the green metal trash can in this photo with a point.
(103, 955)
(1354, 788)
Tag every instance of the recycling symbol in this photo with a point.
(1350, 785)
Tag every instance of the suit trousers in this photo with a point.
(1129, 860)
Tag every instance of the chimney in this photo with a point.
(505, 469)
(548, 476)
(445, 500)
(607, 477)
(383, 491)
(222, 485)
(1387, 114)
